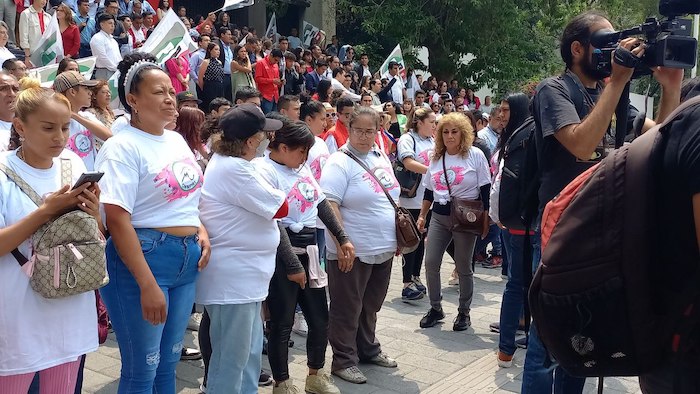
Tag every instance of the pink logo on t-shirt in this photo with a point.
(80, 143)
(317, 164)
(385, 176)
(424, 157)
(181, 178)
(304, 193)
(455, 175)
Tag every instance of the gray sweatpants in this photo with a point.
(439, 236)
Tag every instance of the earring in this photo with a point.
(21, 139)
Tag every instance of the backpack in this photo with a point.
(513, 196)
(408, 180)
(68, 252)
(592, 293)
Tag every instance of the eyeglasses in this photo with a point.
(368, 133)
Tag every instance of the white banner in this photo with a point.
(50, 47)
(395, 56)
(271, 31)
(236, 4)
(47, 74)
(309, 34)
(169, 39)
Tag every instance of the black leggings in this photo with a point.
(282, 300)
(205, 342)
(412, 262)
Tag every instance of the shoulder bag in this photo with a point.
(407, 235)
(467, 216)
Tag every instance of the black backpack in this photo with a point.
(408, 180)
(514, 181)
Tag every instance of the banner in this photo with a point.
(310, 34)
(47, 74)
(394, 56)
(235, 4)
(244, 40)
(169, 39)
(50, 47)
(271, 31)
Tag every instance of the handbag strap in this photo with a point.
(364, 166)
(447, 181)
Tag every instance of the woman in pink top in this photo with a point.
(179, 71)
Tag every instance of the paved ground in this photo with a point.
(435, 360)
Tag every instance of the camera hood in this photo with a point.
(671, 8)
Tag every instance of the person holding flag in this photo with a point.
(33, 22)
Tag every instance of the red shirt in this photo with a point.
(71, 41)
(265, 73)
(339, 132)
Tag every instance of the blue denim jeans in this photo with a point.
(538, 379)
(236, 340)
(493, 238)
(513, 297)
(268, 106)
(321, 242)
(150, 353)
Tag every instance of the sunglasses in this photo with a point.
(331, 115)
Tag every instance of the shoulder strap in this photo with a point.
(444, 173)
(24, 186)
(66, 172)
(576, 95)
(364, 166)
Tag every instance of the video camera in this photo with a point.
(669, 42)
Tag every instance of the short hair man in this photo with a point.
(289, 106)
(248, 94)
(338, 84)
(218, 106)
(314, 77)
(420, 99)
(15, 67)
(366, 99)
(398, 90)
(9, 90)
(267, 77)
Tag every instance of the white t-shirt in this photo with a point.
(419, 149)
(153, 177)
(237, 209)
(37, 333)
(120, 123)
(466, 175)
(317, 157)
(368, 216)
(486, 109)
(303, 192)
(5, 133)
(82, 141)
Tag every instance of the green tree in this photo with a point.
(512, 42)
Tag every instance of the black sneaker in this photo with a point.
(189, 354)
(521, 343)
(419, 285)
(462, 322)
(411, 293)
(496, 327)
(432, 318)
(265, 379)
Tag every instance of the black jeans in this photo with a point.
(412, 262)
(281, 301)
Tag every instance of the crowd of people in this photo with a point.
(258, 181)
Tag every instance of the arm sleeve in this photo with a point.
(485, 191)
(327, 216)
(428, 195)
(554, 108)
(287, 255)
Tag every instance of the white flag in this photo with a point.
(244, 40)
(50, 47)
(47, 74)
(271, 31)
(169, 39)
(395, 56)
(236, 4)
(309, 34)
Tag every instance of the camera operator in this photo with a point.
(573, 113)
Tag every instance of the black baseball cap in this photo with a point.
(243, 121)
(276, 53)
(187, 96)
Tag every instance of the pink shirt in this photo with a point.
(178, 66)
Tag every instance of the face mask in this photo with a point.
(260, 151)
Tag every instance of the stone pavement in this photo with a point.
(434, 360)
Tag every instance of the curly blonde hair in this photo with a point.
(454, 120)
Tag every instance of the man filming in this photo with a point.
(573, 113)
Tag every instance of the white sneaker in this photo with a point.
(193, 323)
(203, 388)
(321, 383)
(300, 327)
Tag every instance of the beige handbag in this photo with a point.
(68, 253)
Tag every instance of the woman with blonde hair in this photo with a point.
(457, 170)
(49, 336)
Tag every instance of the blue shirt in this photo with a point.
(228, 55)
(88, 31)
(196, 60)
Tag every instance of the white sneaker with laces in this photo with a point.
(351, 374)
(321, 383)
(300, 327)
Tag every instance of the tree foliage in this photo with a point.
(512, 42)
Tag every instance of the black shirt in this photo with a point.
(553, 109)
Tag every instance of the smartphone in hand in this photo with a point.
(88, 177)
